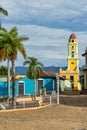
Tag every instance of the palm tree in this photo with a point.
(11, 43)
(3, 11)
(4, 54)
(34, 69)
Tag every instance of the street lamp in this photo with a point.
(57, 83)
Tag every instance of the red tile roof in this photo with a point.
(48, 74)
(72, 36)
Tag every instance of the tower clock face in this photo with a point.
(73, 65)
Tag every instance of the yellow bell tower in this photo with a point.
(72, 72)
(73, 53)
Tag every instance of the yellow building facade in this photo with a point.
(72, 72)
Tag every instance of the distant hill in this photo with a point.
(53, 69)
(20, 70)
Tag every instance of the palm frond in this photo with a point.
(13, 30)
(26, 62)
(23, 38)
(2, 10)
(21, 49)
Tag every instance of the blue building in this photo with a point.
(25, 86)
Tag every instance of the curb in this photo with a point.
(24, 109)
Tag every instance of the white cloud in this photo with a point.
(44, 11)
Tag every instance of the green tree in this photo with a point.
(11, 44)
(34, 70)
(3, 70)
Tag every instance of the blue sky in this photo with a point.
(48, 24)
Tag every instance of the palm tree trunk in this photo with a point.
(13, 85)
(8, 80)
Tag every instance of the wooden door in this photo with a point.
(21, 88)
(40, 84)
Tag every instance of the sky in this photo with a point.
(48, 24)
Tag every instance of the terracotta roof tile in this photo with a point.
(72, 36)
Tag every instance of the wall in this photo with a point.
(48, 83)
(3, 89)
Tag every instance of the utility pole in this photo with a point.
(57, 83)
